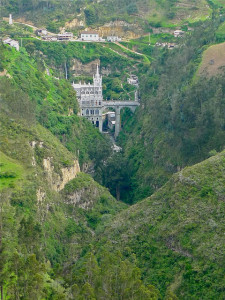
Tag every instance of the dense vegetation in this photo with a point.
(178, 233)
(54, 14)
(78, 241)
(54, 103)
(181, 117)
(45, 235)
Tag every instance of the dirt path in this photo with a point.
(122, 46)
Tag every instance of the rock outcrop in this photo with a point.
(57, 181)
(84, 198)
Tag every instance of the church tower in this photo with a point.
(97, 79)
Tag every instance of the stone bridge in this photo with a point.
(118, 105)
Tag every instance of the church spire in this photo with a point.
(97, 78)
(97, 72)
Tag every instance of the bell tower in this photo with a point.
(97, 79)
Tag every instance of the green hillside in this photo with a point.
(54, 14)
(67, 235)
(42, 232)
(181, 118)
(178, 233)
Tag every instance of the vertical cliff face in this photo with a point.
(57, 181)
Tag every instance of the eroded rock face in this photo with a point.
(40, 195)
(121, 29)
(79, 69)
(84, 198)
(75, 23)
(56, 181)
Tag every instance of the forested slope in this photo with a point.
(178, 233)
(49, 210)
(54, 14)
(181, 119)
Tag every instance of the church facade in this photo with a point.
(90, 99)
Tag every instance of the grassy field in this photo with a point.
(213, 60)
(11, 172)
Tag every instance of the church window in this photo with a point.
(87, 112)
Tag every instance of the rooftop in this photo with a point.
(89, 32)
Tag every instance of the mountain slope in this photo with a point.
(79, 14)
(48, 208)
(178, 233)
(180, 120)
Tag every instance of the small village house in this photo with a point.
(12, 43)
(91, 36)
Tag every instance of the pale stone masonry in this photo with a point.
(91, 100)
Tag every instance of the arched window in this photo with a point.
(97, 112)
(87, 111)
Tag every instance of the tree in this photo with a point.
(116, 174)
(7, 240)
(90, 15)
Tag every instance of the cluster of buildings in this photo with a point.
(43, 33)
(86, 36)
(93, 36)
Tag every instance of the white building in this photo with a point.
(113, 38)
(12, 43)
(91, 100)
(90, 36)
(178, 33)
(133, 80)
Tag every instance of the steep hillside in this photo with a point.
(53, 101)
(181, 117)
(135, 16)
(178, 233)
(49, 210)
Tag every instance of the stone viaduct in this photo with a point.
(118, 105)
(92, 105)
